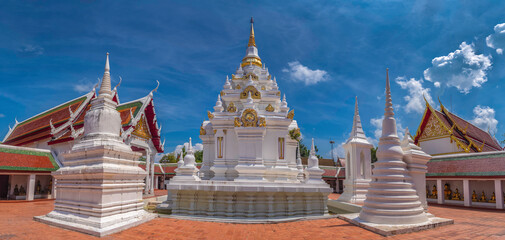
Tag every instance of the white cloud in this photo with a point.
(377, 124)
(83, 87)
(301, 73)
(339, 151)
(462, 69)
(484, 118)
(196, 147)
(32, 50)
(2, 115)
(415, 99)
(437, 84)
(497, 39)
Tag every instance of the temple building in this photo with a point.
(57, 129)
(468, 164)
(250, 166)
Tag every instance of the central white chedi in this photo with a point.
(250, 167)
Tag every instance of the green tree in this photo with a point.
(305, 152)
(199, 156)
(373, 153)
(142, 159)
(168, 158)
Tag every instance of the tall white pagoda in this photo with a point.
(392, 197)
(358, 169)
(100, 185)
(250, 167)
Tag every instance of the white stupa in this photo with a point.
(358, 169)
(391, 198)
(100, 186)
(250, 168)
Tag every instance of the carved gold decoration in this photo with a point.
(231, 107)
(433, 129)
(281, 148)
(215, 131)
(251, 60)
(223, 93)
(202, 130)
(141, 130)
(210, 115)
(269, 108)
(220, 147)
(237, 122)
(278, 94)
(263, 88)
(238, 86)
(269, 77)
(262, 122)
(291, 114)
(255, 94)
(249, 118)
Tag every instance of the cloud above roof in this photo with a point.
(484, 118)
(415, 99)
(462, 69)
(300, 73)
(497, 39)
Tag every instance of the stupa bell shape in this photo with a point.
(313, 171)
(227, 84)
(219, 104)
(358, 160)
(391, 198)
(187, 171)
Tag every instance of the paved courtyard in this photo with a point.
(16, 222)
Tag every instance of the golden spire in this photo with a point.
(251, 36)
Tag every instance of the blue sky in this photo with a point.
(323, 53)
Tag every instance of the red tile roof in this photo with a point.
(26, 159)
(468, 165)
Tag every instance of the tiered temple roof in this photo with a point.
(65, 122)
(466, 135)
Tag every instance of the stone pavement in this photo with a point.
(16, 222)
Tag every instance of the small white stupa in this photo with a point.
(416, 161)
(358, 169)
(250, 168)
(391, 198)
(100, 185)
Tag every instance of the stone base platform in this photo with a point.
(112, 224)
(263, 201)
(390, 230)
(248, 221)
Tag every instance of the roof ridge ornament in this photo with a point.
(118, 84)
(155, 89)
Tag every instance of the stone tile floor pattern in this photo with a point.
(16, 222)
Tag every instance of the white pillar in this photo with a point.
(53, 188)
(440, 192)
(156, 182)
(30, 187)
(147, 187)
(466, 193)
(153, 155)
(498, 193)
(11, 190)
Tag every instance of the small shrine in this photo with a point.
(358, 163)
(250, 167)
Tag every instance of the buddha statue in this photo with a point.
(16, 190)
(474, 196)
(434, 192)
(493, 198)
(456, 195)
(50, 186)
(37, 189)
(22, 191)
(447, 192)
(483, 197)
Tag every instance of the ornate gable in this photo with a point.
(141, 129)
(433, 129)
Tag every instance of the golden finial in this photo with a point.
(251, 36)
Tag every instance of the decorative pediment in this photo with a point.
(231, 107)
(270, 108)
(255, 94)
(141, 129)
(250, 118)
(433, 129)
